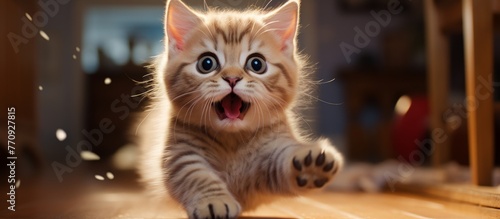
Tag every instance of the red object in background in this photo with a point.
(410, 127)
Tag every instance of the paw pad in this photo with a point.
(317, 175)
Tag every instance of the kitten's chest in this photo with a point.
(234, 156)
(237, 161)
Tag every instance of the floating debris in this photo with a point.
(126, 157)
(44, 35)
(89, 155)
(99, 177)
(61, 135)
(78, 49)
(28, 16)
(18, 183)
(110, 175)
(107, 81)
(40, 88)
(74, 56)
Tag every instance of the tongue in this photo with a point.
(231, 104)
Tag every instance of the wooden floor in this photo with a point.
(108, 201)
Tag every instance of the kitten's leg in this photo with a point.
(193, 182)
(315, 165)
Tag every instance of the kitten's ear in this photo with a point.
(179, 20)
(284, 21)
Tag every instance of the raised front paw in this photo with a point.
(214, 208)
(316, 165)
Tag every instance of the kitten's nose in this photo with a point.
(232, 80)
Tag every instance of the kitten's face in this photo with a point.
(230, 70)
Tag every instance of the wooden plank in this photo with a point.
(375, 205)
(466, 210)
(438, 78)
(478, 40)
(399, 205)
(482, 196)
(94, 200)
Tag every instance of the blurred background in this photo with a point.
(70, 67)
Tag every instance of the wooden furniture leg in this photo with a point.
(438, 79)
(478, 40)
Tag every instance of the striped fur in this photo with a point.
(219, 167)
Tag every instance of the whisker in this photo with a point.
(205, 5)
(260, 117)
(209, 31)
(268, 3)
(321, 82)
(263, 26)
(144, 119)
(323, 101)
(192, 107)
(180, 110)
(184, 94)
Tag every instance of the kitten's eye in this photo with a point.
(207, 63)
(257, 64)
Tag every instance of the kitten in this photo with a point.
(220, 136)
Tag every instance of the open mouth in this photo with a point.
(232, 107)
